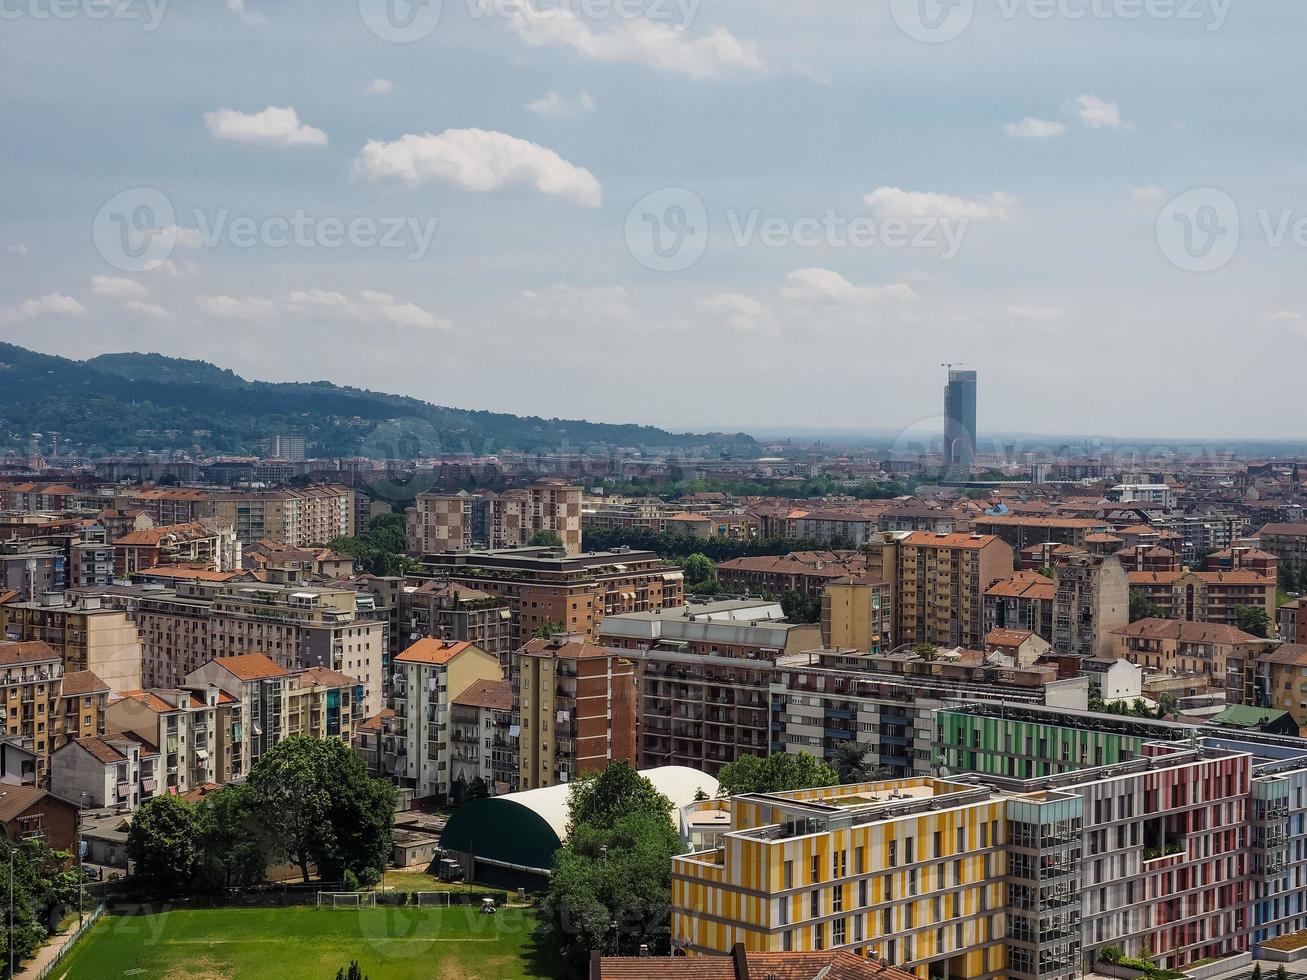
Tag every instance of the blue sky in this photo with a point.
(840, 205)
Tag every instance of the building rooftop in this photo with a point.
(430, 650)
(1185, 631)
(495, 695)
(250, 666)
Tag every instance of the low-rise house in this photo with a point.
(106, 771)
(31, 813)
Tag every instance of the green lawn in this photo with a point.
(403, 943)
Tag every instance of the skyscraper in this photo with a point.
(960, 416)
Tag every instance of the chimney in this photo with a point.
(740, 962)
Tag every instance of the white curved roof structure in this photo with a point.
(678, 783)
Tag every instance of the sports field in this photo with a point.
(404, 943)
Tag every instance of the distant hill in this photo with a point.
(120, 402)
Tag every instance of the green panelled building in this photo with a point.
(1025, 749)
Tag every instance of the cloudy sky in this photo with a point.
(730, 213)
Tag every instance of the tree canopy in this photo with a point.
(775, 773)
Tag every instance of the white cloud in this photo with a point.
(740, 312)
(1149, 192)
(245, 15)
(601, 306)
(381, 86)
(274, 126)
(1285, 316)
(556, 105)
(370, 307)
(1098, 113)
(118, 288)
(814, 285)
(478, 160)
(1036, 314)
(896, 202)
(1031, 128)
(642, 42)
(148, 309)
(51, 304)
(17, 248)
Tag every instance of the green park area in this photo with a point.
(389, 943)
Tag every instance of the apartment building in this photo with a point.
(823, 698)
(254, 700)
(111, 770)
(546, 588)
(42, 706)
(299, 517)
(1025, 601)
(1022, 532)
(184, 627)
(207, 544)
(704, 674)
(462, 521)
(807, 572)
(575, 705)
(483, 749)
(1201, 651)
(1287, 542)
(851, 528)
(909, 870)
(1091, 597)
(184, 725)
(28, 571)
(1211, 597)
(427, 676)
(456, 613)
(939, 585)
(87, 635)
(858, 614)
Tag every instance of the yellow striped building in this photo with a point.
(909, 870)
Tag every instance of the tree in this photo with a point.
(852, 764)
(1167, 705)
(353, 973)
(926, 650)
(231, 845)
(164, 845)
(317, 805)
(700, 575)
(1257, 971)
(1143, 606)
(1281, 973)
(546, 630)
(545, 539)
(600, 799)
(799, 607)
(611, 884)
(775, 773)
(1253, 620)
(477, 790)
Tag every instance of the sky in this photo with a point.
(722, 214)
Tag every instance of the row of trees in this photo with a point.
(44, 886)
(309, 802)
(381, 549)
(701, 579)
(715, 549)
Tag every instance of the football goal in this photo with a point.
(346, 900)
(434, 898)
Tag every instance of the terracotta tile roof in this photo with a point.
(150, 700)
(29, 652)
(193, 574)
(101, 750)
(429, 650)
(200, 792)
(155, 535)
(1184, 630)
(928, 539)
(15, 799)
(571, 650)
(1286, 655)
(1298, 530)
(1007, 638)
(325, 677)
(250, 666)
(8, 596)
(1236, 577)
(836, 965)
(1024, 585)
(374, 723)
(496, 695)
(1016, 520)
(79, 682)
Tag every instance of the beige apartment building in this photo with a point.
(427, 677)
(857, 614)
(939, 585)
(575, 706)
(298, 517)
(88, 635)
(184, 725)
(1209, 597)
(462, 521)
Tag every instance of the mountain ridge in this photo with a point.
(151, 402)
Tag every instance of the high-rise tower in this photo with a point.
(960, 419)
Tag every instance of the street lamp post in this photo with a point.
(11, 909)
